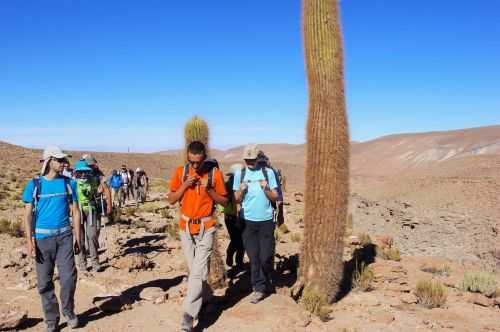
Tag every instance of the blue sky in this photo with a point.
(113, 75)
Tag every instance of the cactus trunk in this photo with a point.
(327, 171)
(196, 129)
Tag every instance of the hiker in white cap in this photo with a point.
(255, 187)
(49, 198)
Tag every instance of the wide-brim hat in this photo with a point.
(49, 153)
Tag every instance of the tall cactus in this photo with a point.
(196, 129)
(327, 171)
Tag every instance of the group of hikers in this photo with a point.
(64, 210)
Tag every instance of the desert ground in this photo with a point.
(422, 207)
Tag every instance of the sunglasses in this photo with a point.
(60, 160)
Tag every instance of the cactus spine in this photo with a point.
(327, 171)
(196, 129)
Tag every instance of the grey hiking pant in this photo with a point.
(52, 251)
(197, 250)
(91, 226)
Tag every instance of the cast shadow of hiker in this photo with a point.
(127, 297)
(361, 257)
(29, 323)
(285, 275)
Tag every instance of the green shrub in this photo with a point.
(315, 303)
(362, 277)
(431, 293)
(296, 237)
(479, 282)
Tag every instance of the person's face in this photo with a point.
(251, 163)
(195, 160)
(57, 164)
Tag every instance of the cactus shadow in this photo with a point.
(361, 256)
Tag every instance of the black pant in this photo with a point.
(258, 238)
(236, 244)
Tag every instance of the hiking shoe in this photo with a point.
(187, 323)
(72, 321)
(52, 327)
(257, 297)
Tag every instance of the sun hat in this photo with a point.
(51, 151)
(82, 166)
(251, 151)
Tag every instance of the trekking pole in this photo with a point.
(104, 221)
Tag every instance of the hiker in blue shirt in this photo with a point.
(49, 234)
(115, 182)
(255, 188)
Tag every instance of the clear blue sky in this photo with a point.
(108, 75)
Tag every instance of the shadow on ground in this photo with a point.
(127, 297)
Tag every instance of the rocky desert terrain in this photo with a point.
(422, 207)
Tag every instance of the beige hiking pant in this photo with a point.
(197, 250)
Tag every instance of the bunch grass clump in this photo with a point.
(362, 278)
(14, 229)
(479, 282)
(365, 239)
(296, 237)
(431, 293)
(437, 270)
(315, 303)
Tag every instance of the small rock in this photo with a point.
(354, 240)
(481, 300)
(133, 262)
(12, 319)
(409, 299)
(497, 301)
(111, 303)
(152, 293)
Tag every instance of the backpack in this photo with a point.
(212, 164)
(88, 192)
(37, 192)
(266, 177)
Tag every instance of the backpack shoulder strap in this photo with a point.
(243, 172)
(211, 177)
(185, 172)
(37, 190)
(266, 176)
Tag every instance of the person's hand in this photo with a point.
(190, 181)
(77, 247)
(31, 247)
(243, 187)
(264, 185)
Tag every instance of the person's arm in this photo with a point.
(240, 194)
(76, 226)
(270, 189)
(28, 230)
(175, 196)
(219, 199)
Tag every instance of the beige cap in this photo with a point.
(251, 151)
(89, 159)
(51, 152)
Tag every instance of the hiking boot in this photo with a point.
(52, 327)
(72, 321)
(187, 323)
(257, 297)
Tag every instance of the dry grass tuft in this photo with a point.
(431, 293)
(479, 282)
(315, 303)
